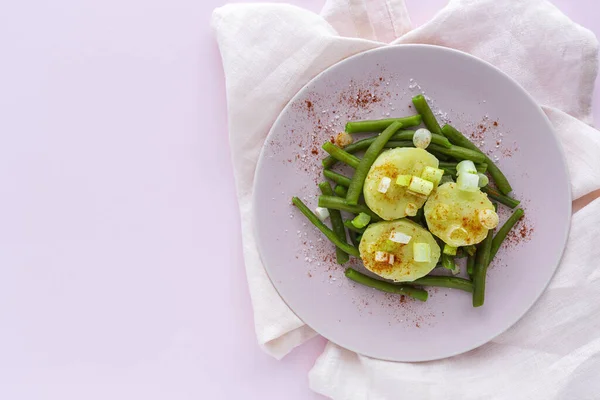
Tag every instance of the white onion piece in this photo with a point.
(381, 256)
(466, 167)
(322, 213)
(384, 184)
(399, 237)
(488, 218)
(468, 182)
(343, 139)
(483, 180)
(422, 138)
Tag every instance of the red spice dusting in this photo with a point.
(363, 98)
(509, 151)
(402, 299)
(522, 232)
(309, 105)
(309, 275)
(417, 325)
(495, 123)
(332, 139)
(314, 151)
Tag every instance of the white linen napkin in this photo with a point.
(270, 51)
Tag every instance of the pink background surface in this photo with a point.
(121, 266)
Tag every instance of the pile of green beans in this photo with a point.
(450, 146)
(337, 224)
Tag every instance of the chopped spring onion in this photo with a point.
(449, 250)
(456, 269)
(391, 259)
(432, 174)
(381, 256)
(403, 180)
(322, 213)
(488, 219)
(361, 220)
(468, 182)
(400, 237)
(483, 180)
(411, 209)
(422, 252)
(384, 184)
(466, 167)
(422, 138)
(420, 186)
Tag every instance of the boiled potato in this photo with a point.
(454, 215)
(403, 268)
(397, 200)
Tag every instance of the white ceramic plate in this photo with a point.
(477, 99)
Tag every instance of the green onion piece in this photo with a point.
(361, 220)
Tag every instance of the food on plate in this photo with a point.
(403, 167)
(400, 250)
(417, 201)
(459, 217)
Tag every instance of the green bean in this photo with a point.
(379, 125)
(403, 136)
(482, 261)
(470, 264)
(458, 152)
(439, 156)
(355, 147)
(459, 139)
(395, 143)
(341, 155)
(470, 249)
(331, 235)
(448, 262)
(428, 118)
(358, 180)
(354, 238)
(337, 224)
(348, 224)
(341, 204)
(451, 282)
(503, 231)
(337, 178)
(500, 198)
(341, 191)
(388, 287)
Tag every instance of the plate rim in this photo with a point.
(553, 135)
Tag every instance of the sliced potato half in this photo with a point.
(453, 215)
(403, 268)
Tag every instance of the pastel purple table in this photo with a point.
(120, 256)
